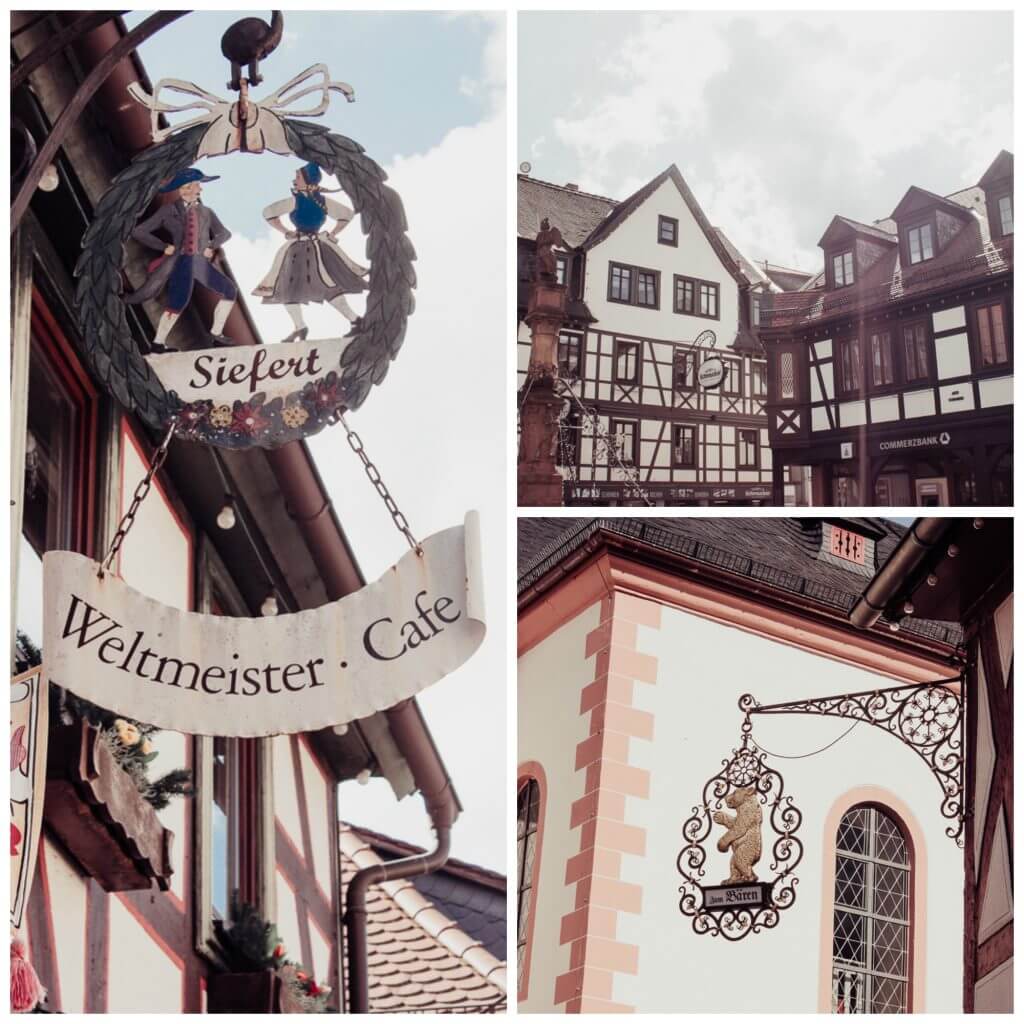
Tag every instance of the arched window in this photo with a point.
(528, 838)
(871, 920)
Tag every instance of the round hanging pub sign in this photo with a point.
(711, 373)
(206, 386)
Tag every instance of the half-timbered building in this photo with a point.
(637, 640)
(666, 379)
(891, 373)
(123, 912)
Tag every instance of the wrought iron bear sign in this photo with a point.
(216, 392)
(743, 903)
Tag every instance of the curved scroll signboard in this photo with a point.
(301, 672)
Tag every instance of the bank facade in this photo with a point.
(891, 373)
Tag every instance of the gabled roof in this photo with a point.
(921, 199)
(576, 214)
(842, 227)
(420, 960)
(786, 278)
(637, 199)
(753, 273)
(999, 170)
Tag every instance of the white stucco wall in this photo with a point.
(635, 241)
(550, 678)
(703, 669)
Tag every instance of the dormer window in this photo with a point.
(920, 245)
(668, 230)
(842, 269)
(1006, 215)
(561, 269)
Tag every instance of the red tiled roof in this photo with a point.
(420, 961)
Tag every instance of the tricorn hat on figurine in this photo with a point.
(186, 177)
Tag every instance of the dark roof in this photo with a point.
(779, 553)
(753, 273)
(916, 198)
(472, 896)
(840, 226)
(788, 280)
(1000, 169)
(576, 214)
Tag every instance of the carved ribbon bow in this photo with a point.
(262, 129)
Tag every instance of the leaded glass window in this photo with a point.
(526, 839)
(871, 919)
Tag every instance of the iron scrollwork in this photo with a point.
(926, 717)
(744, 769)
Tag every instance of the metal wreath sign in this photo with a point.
(735, 799)
(244, 396)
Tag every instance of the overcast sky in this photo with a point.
(429, 108)
(777, 121)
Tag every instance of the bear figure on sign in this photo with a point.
(743, 835)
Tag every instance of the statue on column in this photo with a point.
(547, 263)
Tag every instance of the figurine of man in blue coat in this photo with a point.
(193, 233)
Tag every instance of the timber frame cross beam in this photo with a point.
(926, 717)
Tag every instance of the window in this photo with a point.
(620, 283)
(919, 243)
(849, 368)
(1006, 215)
(731, 382)
(527, 843)
(992, 336)
(636, 286)
(668, 230)
(755, 309)
(647, 288)
(627, 362)
(624, 439)
(842, 269)
(561, 269)
(684, 447)
(570, 355)
(684, 370)
(871, 922)
(881, 359)
(915, 352)
(746, 449)
(759, 379)
(787, 376)
(695, 297)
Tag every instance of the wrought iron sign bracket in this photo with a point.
(926, 717)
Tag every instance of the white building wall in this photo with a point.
(635, 241)
(703, 669)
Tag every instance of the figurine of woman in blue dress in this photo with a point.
(310, 267)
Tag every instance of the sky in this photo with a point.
(777, 120)
(430, 109)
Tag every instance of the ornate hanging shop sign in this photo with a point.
(216, 392)
(740, 799)
(300, 672)
(29, 718)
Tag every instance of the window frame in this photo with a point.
(621, 343)
(929, 348)
(680, 357)
(676, 462)
(928, 223)
(842, 391)
(613, 423)
(871, 385)
(561, 268)
(868, 913)
(695, 283)
(733, 371)
(974, 336)
(841, 255)
(529, 772)
(756, 464)
(1008, 196)
(564, 338)
(634, 285)
(218, 589)
(674, 222)
(755, 365)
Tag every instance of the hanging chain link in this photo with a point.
(402, 524)
(128, 519)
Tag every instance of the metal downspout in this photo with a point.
(915, 545)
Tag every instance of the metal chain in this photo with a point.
(128, 519)
(356, 444)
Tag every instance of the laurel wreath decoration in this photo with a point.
(113, 354)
